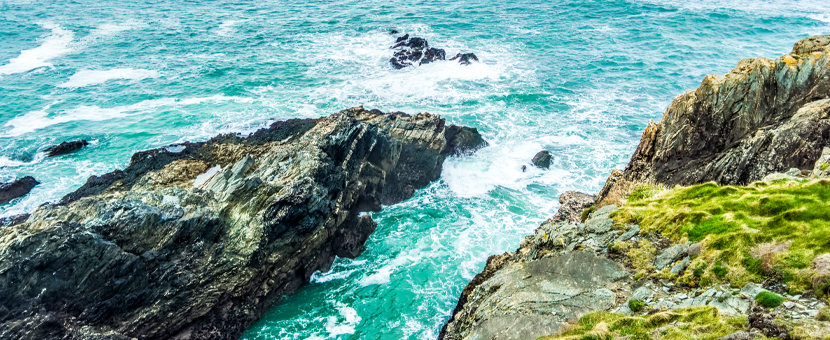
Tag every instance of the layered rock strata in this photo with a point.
(198, 240)
(764, 117)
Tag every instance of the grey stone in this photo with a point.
(740, 336)
(669, 255)
(789, 304)
(642, 294)
(677, 268)
(751, 289)
(558, 289)
(606, 210)
(822, 167)
(542, 159)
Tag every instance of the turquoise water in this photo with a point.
(579, 78)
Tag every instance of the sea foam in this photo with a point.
(55, 45)
(94, 77)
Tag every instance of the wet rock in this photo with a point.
(465, 58)
(414, 50)
(542, 159)
(65, 148)
(17, 188)
(764, 116)
(394, 32)
(201, 242)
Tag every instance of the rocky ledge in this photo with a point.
(706, 261)
(198, 240)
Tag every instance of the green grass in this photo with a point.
(687, 323)
(769, 299)
(731, 222)
(635, 305)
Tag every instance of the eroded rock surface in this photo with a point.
(65, 148)
(764, 116)
(411, 51)
(198, 240)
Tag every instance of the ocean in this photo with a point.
(578, 78)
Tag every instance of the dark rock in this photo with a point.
(16, 188)
(414, 50)
(200, 242)
(542, 159)
(768, 325)
(524, 168)
(65, 148)
(465, 59)
(394, 32)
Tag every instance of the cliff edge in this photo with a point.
(695, 259)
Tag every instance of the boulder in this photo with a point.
(542, 159)
(65, 148)
(17, 188)
(465, 58)
(414, 50)
(822, 167)
(199, 240)
(670, 254)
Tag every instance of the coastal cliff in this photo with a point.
(698, 237)
(199, 240)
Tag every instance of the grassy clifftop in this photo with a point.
(777, 230)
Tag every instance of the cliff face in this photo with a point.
(763, 117)
(197, 241)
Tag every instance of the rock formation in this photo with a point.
(17, 188)
(542, 159)
(198, 240)
(765, 116)
(65, 148)
(414, 50)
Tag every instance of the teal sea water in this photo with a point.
(579, 78)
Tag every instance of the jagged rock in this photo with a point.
(394, 32)
(17, 188)
(542, 159)
(465, 58)
(412, 50)
(65, 148)
(571, 205)
(529, 300)
(764, 116)
(199, 240)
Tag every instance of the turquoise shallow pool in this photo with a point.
(579, 78)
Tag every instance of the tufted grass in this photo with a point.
(702, 323)
(732, 223)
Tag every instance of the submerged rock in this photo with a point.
(198, 241)
(465, 58)
(17, 188)
(65, 148)
(542, 159)
(764, 116)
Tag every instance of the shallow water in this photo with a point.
(579, 78)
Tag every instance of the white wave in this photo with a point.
(226, 28)
(55, 45)
(10, 163)
(36, 120)
(335, 327)
(84, 78)
(382, 275)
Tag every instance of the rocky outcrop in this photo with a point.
(198, 240)
(416, 51)
(65, 148)
(542, 159)
(764, 116)
(17, 188)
